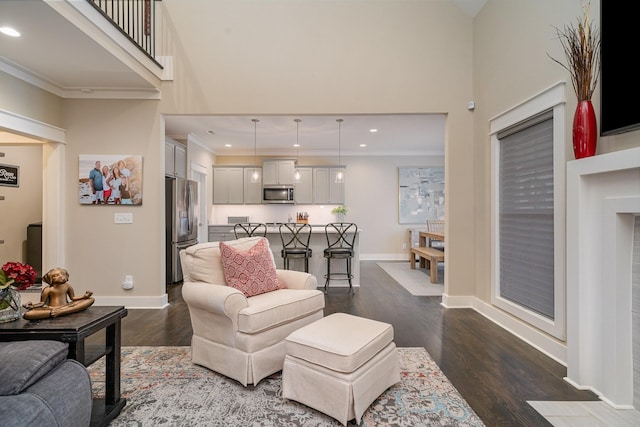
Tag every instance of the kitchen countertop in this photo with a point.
(317, 263)
(315, 228)
(319, 229)
(269, 225)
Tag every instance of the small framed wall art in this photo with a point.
(110, 179)
(10, 175)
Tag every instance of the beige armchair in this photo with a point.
(238, 336)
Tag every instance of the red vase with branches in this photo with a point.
(581, 45)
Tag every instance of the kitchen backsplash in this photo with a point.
(273, 213)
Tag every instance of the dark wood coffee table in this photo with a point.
(74, 329)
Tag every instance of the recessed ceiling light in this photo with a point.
(363, 145)
(296, 145)
(373, 130)
(12, 32)
(227, 145)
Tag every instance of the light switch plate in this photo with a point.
(123, 218)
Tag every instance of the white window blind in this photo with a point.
(526, 245)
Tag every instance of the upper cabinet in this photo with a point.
(232, 184)
(228, 185)
(303, 188)
(175, 159)
(252, 190)
(278, 172)
(325, 189)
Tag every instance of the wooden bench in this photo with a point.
(427, 255)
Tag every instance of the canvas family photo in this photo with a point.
(110, 179)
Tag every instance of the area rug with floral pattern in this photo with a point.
(163, 387)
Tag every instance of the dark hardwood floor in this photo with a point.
(493, 370)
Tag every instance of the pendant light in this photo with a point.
(296, 174)
(339, 172)
(255, 176)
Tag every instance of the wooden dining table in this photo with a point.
(431, 235)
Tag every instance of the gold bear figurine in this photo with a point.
(53, 300)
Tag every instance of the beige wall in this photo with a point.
(511, 41)
(314, 57)
(99, 252)
(26, 100)
(22, 205)
(309, 58)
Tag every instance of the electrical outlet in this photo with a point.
(123, 218)
(404, 246)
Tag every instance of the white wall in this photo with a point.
(371, 193)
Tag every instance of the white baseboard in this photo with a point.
(384, 257)
(555, 349)
(161, 301)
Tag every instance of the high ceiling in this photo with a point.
(59, 53)
(381, 134)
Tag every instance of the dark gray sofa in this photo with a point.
(39, 386)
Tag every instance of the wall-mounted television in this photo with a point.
(619, 78)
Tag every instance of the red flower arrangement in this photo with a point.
(18, 275)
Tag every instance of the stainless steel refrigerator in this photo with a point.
(181, 198)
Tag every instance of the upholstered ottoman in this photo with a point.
(340, 364)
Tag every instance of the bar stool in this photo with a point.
(250, 229)
(341, 237)
(295, 243)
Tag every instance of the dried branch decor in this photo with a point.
(581, 46)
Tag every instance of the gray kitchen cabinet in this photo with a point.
(228, 185)
(325, 189)
(175, 159)
(221, 233)
(278, 172)
(252, 190)
(303, 189)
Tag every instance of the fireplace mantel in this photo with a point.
(603, 195)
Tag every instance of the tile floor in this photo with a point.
(588, 413)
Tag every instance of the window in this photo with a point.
(528, 164)
(526, 215)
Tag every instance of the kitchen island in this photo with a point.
(317, 262)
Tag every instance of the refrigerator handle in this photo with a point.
(189, 214)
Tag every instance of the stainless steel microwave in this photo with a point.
(277, 194)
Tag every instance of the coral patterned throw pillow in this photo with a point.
(251, 271)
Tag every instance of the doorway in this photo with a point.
(199, 174)
(53, 142)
